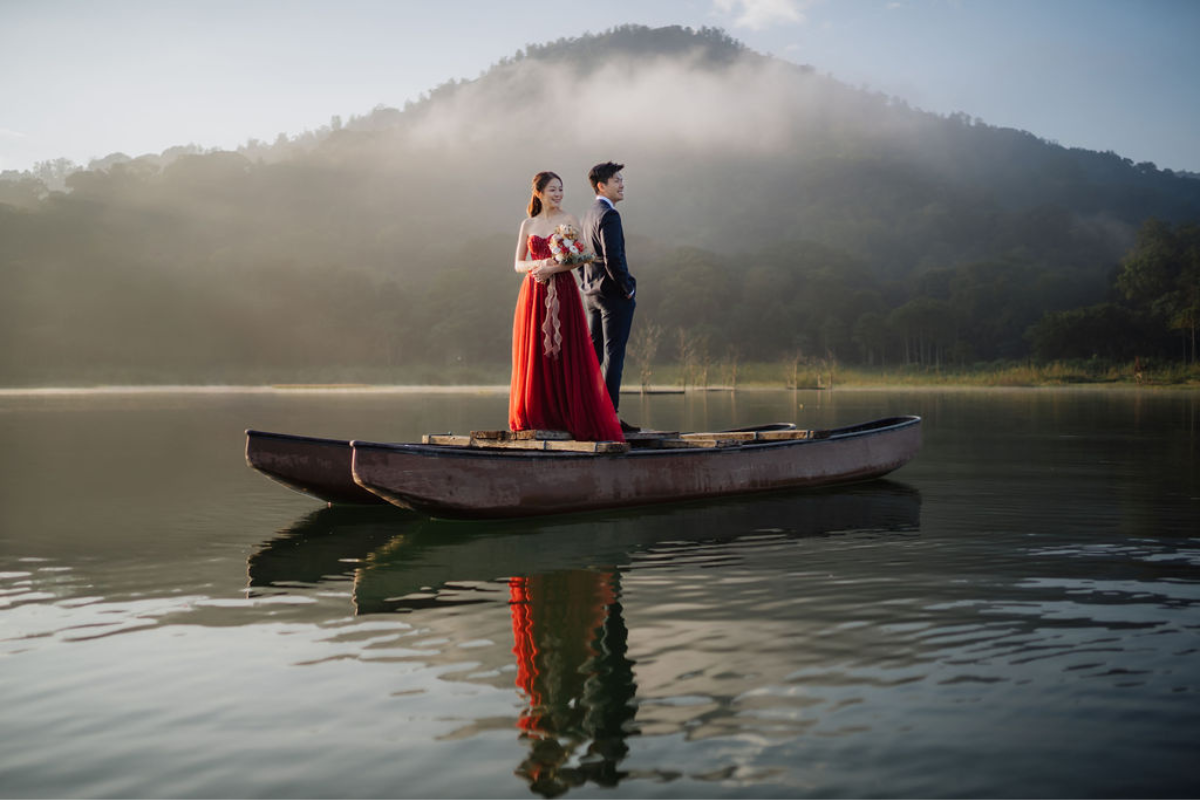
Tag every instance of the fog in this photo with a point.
(678, 102)
(696, 135)
(770, 210)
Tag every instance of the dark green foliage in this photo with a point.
(1158, 289)
(1161, 278)
(1100, 331)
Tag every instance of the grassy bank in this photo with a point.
(823, 375)
(237, 375)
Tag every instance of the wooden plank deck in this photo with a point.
(558, 441)
(561, 441)
(520, 436)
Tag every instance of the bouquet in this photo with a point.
(566, 247)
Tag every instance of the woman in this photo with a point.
(556, 382)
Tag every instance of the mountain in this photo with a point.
(770, 209)
(722, 143)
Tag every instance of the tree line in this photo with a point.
(845, 224)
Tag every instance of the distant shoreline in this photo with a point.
(793, 375)
(346, 388)
(501, 389)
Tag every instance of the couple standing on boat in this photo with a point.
(567, 364)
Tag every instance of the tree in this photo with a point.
(22, 190)
(1106, 330)
(1161, 277)
(643, 346)
(927, 327)
(871, 335)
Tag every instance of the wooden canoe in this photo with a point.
(316, 467)
(320, 468)
(455, 478)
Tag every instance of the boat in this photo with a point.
(310, 465)
(321, 468)
(496, 474)
(473, 479)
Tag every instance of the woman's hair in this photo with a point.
(539, 185)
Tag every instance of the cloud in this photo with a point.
(6, 133)
(760, 14)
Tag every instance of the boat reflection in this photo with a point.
(561, 581)
(410, 571)
(391, 555)
(328, 544)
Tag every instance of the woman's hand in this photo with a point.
(544, 270)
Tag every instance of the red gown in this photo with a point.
(556, 382)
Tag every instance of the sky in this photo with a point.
(81, 79)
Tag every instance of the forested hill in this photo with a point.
(770, 207)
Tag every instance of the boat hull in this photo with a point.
(312, 466)
(469, 482)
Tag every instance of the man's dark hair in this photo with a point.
(601, 173)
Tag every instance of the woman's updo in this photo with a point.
(539, 185)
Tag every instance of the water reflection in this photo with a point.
(399, 562)
(570, 648)
(1040, 626)
(561, 581)
(328, 544)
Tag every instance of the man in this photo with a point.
(608, 288)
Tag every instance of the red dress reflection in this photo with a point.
(570, 642)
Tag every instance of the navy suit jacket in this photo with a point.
(609, 274)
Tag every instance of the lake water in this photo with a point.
(1015, 613)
